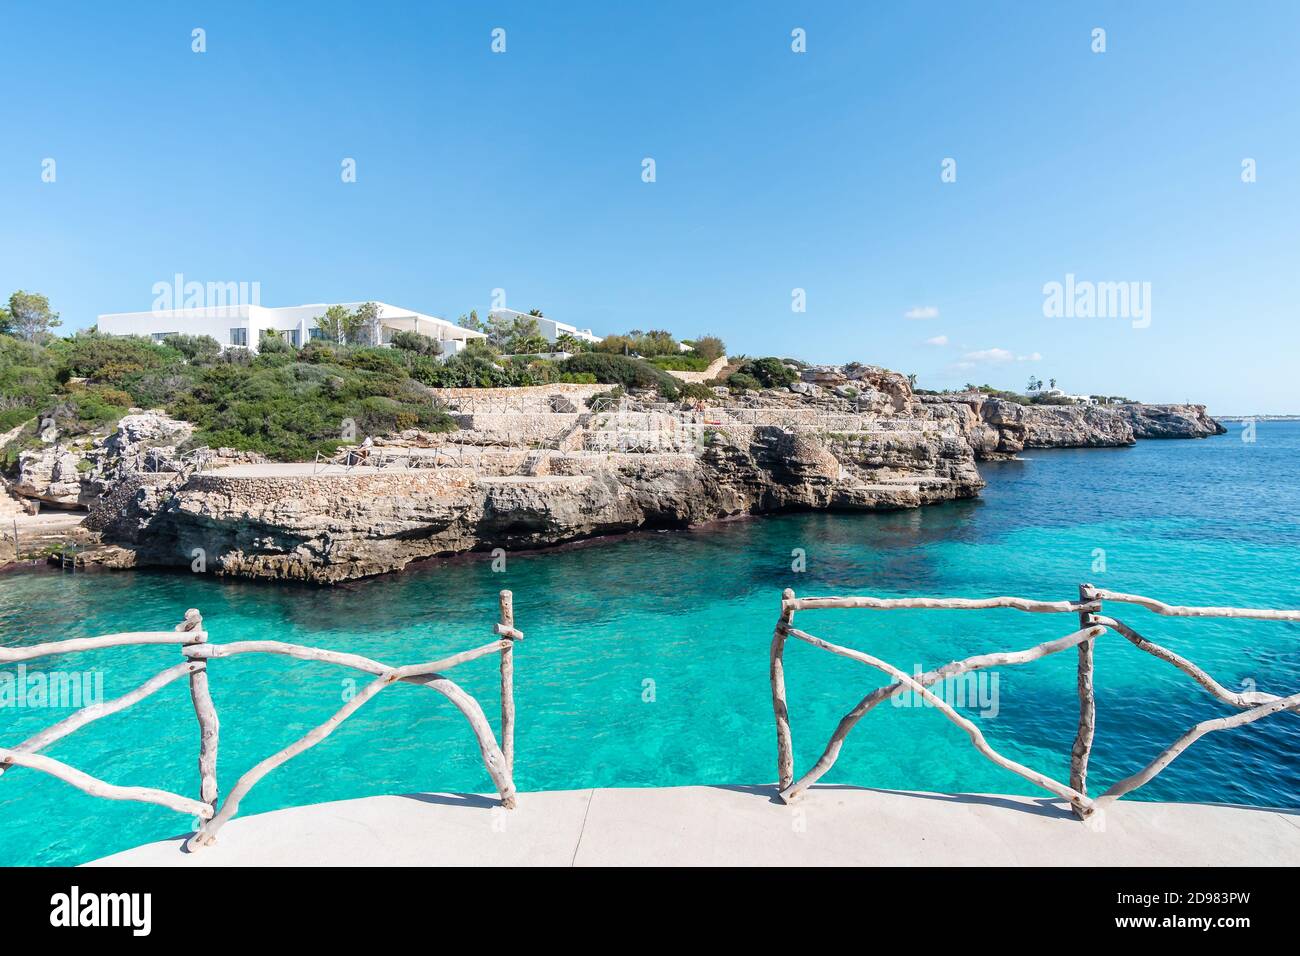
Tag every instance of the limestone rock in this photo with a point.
(1171, 421)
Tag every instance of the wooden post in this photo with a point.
(776, 673)
(508, 681)
(206, 712)
(1082, 748)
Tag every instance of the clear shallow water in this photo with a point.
(1210, 522)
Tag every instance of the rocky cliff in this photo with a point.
(286, 523)
(521, 474)
(74, 474)
(998, 428)
(1170, 421)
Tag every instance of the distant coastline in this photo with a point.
(1258, 418)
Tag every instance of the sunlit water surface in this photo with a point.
(645, 662)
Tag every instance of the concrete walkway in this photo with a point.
(707, 826)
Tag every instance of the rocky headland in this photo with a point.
(533, 467)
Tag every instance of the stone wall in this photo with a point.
(716, 366)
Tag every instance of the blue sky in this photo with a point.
(775, 171)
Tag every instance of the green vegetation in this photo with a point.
(28, 316)
(768, 372)
(289, 403)
(622, 370)
(682, 362)
(285, 403)
(28, 377)
(519, 335)
(344, 326)
(640, 344)
(565, 342)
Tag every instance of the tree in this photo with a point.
(564, 342)
(536, 313)
(471, 322)
(367, 319)
(515, 336)
(28, 316)
(272, 341)
(339, 324)
(417, 343)
(1051, 383)
(911, 380)
(710, 347)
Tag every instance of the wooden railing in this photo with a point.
(1092, 625)
(197, 652)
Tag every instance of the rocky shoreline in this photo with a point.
(537, 467)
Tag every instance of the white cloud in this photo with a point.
(997, 356)
(989, 356)
(937, 340)
(922, 312)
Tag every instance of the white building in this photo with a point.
(550, 329)
(241, 326)
(1061, 393)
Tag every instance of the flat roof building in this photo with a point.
(242, 326)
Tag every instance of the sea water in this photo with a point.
(645, 659)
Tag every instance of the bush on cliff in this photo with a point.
(769, 372)
(285, 403)
(28, 377)
(292, 411)
(682, 362)
(621, 370)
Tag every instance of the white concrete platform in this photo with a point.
(744, 826)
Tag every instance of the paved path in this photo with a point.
(704, 826)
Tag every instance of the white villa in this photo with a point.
(550, 329)
(1061, 393)
(241, 326)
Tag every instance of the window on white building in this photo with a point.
(239, 337)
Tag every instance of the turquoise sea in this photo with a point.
(645, 662)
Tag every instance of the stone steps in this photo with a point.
(11, 506)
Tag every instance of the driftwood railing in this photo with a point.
(197, 652)
(1092, 625)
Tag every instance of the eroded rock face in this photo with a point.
(1171, 421)
(1074, 426)
(74, 474)
(335, 527)
(51, 475)
(649, 465)
(998, 428)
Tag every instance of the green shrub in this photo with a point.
(621, 370)
(740, 381)
(271, 342)
(111, 358)
(564, 342)
(769, 372)
(603, 400)
(197, 349)
(696, 392)
(645, 344)
(682, 362)
(417, 343)
(710, 346)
